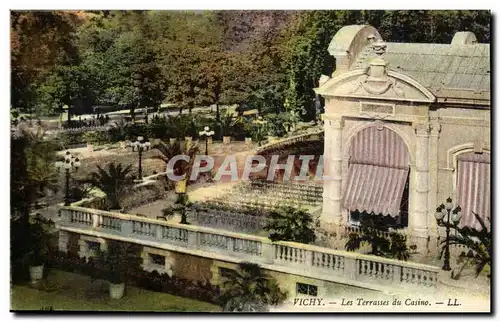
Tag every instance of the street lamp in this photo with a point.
(207, 133)
(141, 146)
(443, 215)
(69, 163)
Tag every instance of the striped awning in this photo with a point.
(375, 189)
(378, 169)
(473, 188)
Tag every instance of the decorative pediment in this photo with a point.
(375, 82)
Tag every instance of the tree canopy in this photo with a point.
(268, 60)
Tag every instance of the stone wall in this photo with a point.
(192, 267)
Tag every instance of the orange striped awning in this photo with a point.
(473, 188)
(378, 169)
(373, 188)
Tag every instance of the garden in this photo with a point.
(68, 291)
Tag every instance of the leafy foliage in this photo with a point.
(115, 181)
(268, 60)
(117, 262)
(169, 150)
(291, 224)
(249, 289)
(479, 241)
(373, 231)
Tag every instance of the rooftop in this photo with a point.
(437, 66)
(456, 72)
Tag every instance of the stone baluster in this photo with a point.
(193, 239)
(396, 274)
(268, 253)
(95, 220)
(65, 216)
(308, 258)
(159, 232)
(127, 227)
(230, 244)
(351, 268)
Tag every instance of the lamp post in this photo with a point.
(69, 163)
(207, 133)
(443, 215)
(141, 146)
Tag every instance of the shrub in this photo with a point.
(291, 224)
(92, 137)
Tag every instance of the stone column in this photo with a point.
(433, 195)
(419, 216)
(332, 185)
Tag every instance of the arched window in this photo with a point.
(378, 173)
(473, 187)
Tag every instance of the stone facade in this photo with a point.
(374, 86)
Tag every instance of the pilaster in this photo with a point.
(332, 177)
(435, 130)
(419, 216)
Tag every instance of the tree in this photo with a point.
(169, 150)
(306, 38)
(479, 241)
(39, 41)
(115, 181)
(250, 289)
(372, 231)
(181, 206)
(31, 176)
(190, 43)
(291, 224)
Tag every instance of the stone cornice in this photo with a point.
(394, 87)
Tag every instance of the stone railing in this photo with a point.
(308, 136)
(226, 220)
(293, 258)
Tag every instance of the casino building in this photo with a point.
(407, 125)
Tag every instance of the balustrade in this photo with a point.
(175, 234)
(286, 254)
(110, 223)
(251, 247)
(318, 261)
(143, 228)
(328, 262)
(80, 217)
(213, 241)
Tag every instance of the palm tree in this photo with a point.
(372, 228)
(120, 129)
(248, 289)
(181, 205)
(115, 181)
(170, 150)
(291, 224)
(479, 241)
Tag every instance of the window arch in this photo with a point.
(378, 171)
(473, 186)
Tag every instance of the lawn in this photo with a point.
(68, 291)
